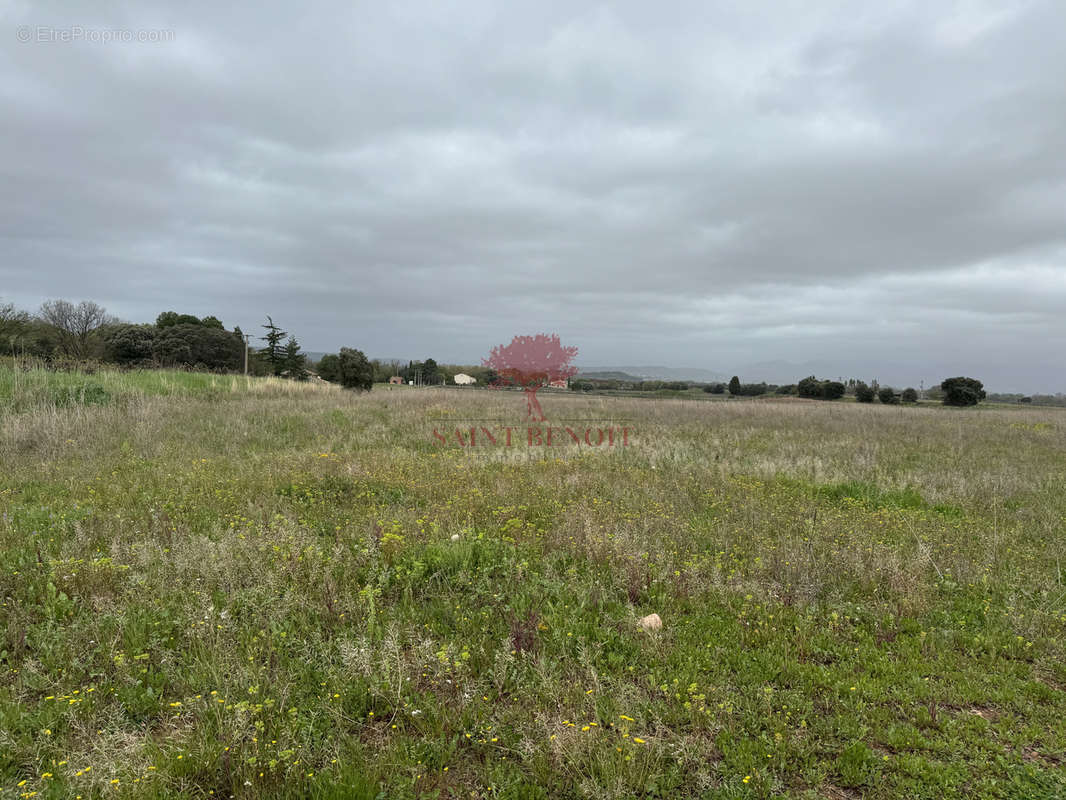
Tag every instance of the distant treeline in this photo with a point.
(62, 333)
(959, 391)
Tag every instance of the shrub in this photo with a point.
(355, 372)
(864, 393)
(191, 345)
(887, 396)
(129, 344)
(832, 390)
(810, 387)
(752, 389)
(909, 395)
(962, 391)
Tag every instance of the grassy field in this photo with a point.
(214, 587)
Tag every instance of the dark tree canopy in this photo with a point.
(864, 393)
(810, 387)
(195, 345)
(354, 370)
(294, 362)
(909, 395)
(329, 368)
(962, 391)
(129, 344)
(832, 390)
(887, 396)
(813, 388)
(734, 385)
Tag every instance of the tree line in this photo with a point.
(62, 333)
(960, 391)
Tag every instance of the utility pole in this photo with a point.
(246, 354)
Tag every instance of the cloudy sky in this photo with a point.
(876, 189)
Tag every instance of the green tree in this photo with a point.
(810, 387)
(212, 322)
(329, 368)
(354, 370)
(909, 395)
(887, 396)
(962, 391)
(169, 319)
(430, 372)
(734, 385)
(274, 352)
(196, 346)
(832, 390)
(864, 393)
(294, 363)
(129, 344)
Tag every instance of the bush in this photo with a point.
(714, 388)
(129, 344)
(962, 391)
(864, 393)
(832, 390)
(329, 368)
(810, 387)
(185, 344)
(909, 395)
(815, 389)
(887, 396)
(752, 389)
(354, 371)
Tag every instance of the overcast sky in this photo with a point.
(879, 188)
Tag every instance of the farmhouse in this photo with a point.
(462, 379)
(396, 380)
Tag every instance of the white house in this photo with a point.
(462, 379)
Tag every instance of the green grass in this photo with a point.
(211, 587)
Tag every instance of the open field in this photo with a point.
(212, 587)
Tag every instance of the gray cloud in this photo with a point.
(710, 184)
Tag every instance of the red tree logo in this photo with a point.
(530, 363)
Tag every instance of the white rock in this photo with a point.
(652, 622)
(455, 537)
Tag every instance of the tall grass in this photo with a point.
(213, 586)
(32, 386)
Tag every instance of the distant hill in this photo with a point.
(608, 375)
(652, 374)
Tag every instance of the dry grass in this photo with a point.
(835, 581)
